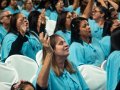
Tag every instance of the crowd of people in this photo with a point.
(87, 32)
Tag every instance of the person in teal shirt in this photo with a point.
(113, 63)
(28, 7)
(58, 7)
(82, 49)
(12, 7)
(4, 23)
(63, 26)
(18, 40)
(56, 72)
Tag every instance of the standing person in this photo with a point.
(56, 72)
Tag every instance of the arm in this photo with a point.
(75, 4)
(113, 4)
(102, 3)
(17, 45)
(43, 76)
(88, 9)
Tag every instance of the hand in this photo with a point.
(43, 19)
(23, 28)
(45, 42)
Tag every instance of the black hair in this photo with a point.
(13, 22)
(75, 32)
(33, 19)
(61, 20)
(22, 85)
(115, 39)
(107, 27)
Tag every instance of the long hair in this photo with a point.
(107, 27)
(75, 30)
(115, 39)
(33, 20)
(61, 22)
(68, 66)
(13, 22)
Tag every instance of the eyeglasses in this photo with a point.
(96, 11)
(8, 16)
(85, 25)
(69, 17)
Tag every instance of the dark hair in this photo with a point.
(75, 32)
(61, 22)
(13, 22)
(115, 39)
(33, 20)
(107, 27)
(53, 4)
(22, 85)
(8, 1)
(104, 10)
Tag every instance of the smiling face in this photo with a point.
(61, 48)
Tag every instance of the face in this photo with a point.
(59, 6)
(61, 48)
(28, 87)
(21, 20)
(96, 13)
(6, 17)
(116, 23)
(4, 3)
(68, 19)
(13, 3)
(29, 5)
(85, 29)
(114, 14)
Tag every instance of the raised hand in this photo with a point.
(45, 39)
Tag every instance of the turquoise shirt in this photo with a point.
(119, 15)
(106, 45)
(3, 32)
(66, 36)
(76, 54)
(86, 53)
(66, 81)
(78, 11)
(96, 30)
(113, 70)
(9, 8)
(93, 54)
(26, 13)
(29, 48)
(54, 14)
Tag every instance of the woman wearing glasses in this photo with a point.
(18, 41)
